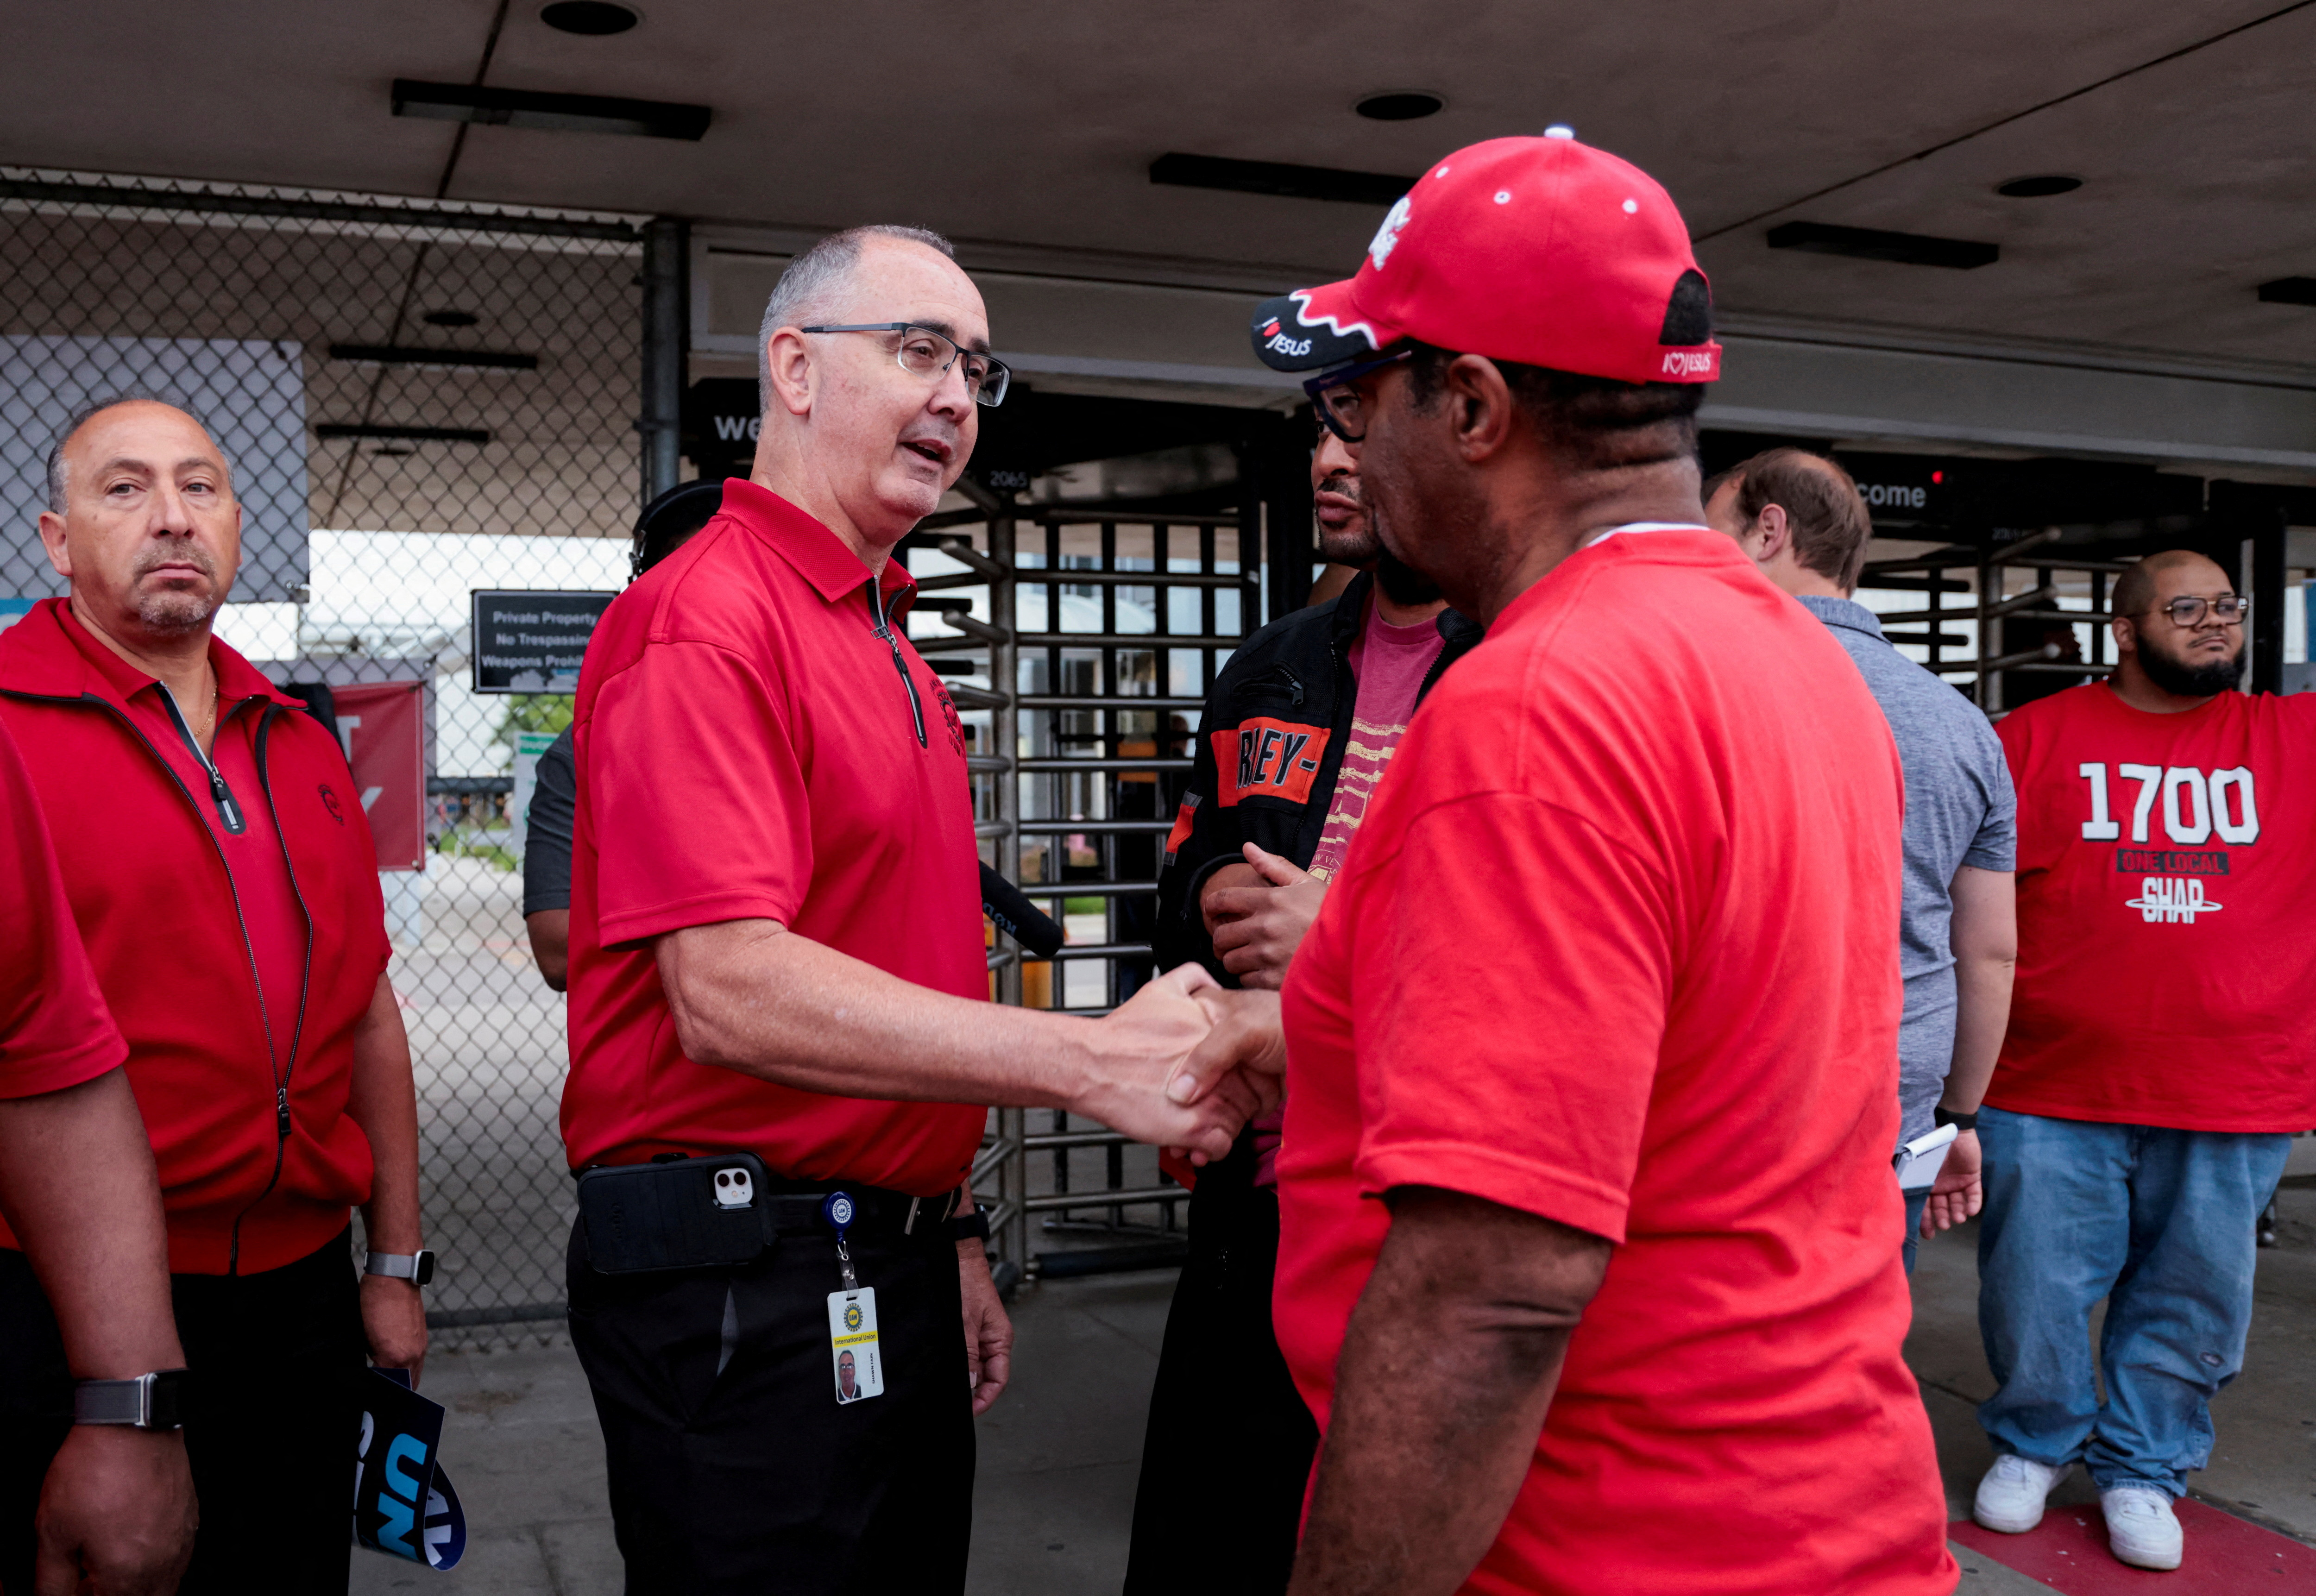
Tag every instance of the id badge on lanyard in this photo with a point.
(856, 1355)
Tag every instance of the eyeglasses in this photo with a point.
(2228, 609)
(924, 353)
(1339, 407)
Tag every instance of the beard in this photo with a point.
(174, 611)
(1402, 583)
(2182, 679)
(1353, 544)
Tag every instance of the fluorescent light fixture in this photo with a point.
(1279, 177)
(393, 354)
(331, 430)
(569, 113)
(1873, 244)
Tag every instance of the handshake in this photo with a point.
(1184, 1064)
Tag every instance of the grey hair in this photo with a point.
(812, 278)
(88, 413)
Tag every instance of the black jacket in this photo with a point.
(1283, 707)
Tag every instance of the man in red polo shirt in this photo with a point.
(1589, 1265)
(77, 1183)
(213, 847)
(777, 951)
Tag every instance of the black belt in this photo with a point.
(795, 1207)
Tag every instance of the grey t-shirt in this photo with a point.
(1960, 810)
(546, 842)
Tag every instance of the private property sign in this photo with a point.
(532, 642)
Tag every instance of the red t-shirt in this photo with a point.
(746, 750)
(54, 1030)
(2167, 949)
(1617, 945)
(1388, 666)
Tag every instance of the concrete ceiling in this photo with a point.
(1035, 125)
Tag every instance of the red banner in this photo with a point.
(382, 724)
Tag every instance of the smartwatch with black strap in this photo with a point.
(1961, 1122)
(155, 1401)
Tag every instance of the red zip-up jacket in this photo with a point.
(259, 1162)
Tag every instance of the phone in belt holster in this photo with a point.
(676, 1213)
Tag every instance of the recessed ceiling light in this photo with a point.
(2039, 188)
(592, 19)
(451, 318)
(1401, 105)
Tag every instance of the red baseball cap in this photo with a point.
(1543, 251)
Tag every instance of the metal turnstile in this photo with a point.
(1079, 640)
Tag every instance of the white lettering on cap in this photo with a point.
(1386, 238)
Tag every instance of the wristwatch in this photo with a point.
(970, 1227)
(153, 1401)
(1959, 1121)
(417, 1268)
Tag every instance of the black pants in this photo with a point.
(268, 1425)
(1230, 1443)
(733, 1468)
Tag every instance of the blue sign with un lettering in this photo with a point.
(403, 1505)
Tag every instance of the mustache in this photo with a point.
(1343, 483)
(188, 553)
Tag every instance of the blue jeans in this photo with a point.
(2161, 1224)
(1917, 1203)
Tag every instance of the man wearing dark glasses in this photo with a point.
(1588, 1248)
(776, 960)
(2161, 1048)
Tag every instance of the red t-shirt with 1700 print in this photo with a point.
(2166, 944)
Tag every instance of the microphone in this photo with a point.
(1016, 916)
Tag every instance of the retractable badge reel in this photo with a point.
(852, 1345)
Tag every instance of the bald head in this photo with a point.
(2135, 590)
(2174, 647)
(815, 286)
(870, 418)
(144, 527)
(1790, 504)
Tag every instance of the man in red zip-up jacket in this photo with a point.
(221, 872)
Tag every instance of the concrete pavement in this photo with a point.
(1054, 1491)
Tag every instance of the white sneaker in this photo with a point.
(2141, 1529)
(2011, 1497)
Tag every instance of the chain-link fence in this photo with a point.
(418, 399)
(423, 399)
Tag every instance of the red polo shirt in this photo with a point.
(54, 1030)
(746, 750)
(1618, 945)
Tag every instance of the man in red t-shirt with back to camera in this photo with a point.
(2160, 1052)
(1590, 1267)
